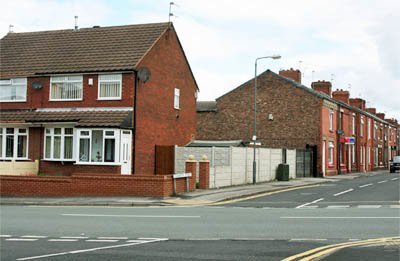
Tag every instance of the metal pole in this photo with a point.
(255, 113)
(255, 124)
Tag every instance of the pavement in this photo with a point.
(195, 198)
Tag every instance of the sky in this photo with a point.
(355, 44)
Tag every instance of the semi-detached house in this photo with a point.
(95, 100)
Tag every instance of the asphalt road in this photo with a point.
(378, 191)
(245, 230)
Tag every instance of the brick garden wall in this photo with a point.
(86, 185)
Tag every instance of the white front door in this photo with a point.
(323, 158)
(126, 162)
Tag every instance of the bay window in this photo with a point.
(66, 88)
(12, 90)
(13, 143)
(97, 146)
(59, 144)
(110, 86)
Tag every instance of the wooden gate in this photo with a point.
(165, 160)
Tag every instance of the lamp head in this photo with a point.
(276, 56)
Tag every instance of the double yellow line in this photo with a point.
(319, 252)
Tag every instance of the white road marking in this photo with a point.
(369, 206)
(74, 237)
(395, 179)
(309, 203)
(383, 181)
(102, 240)
(343, 192)
(29, 236)
(5, 236)
(135, 241)
(366, 185)
(126, 216)
(311, 217)
(92, 249)
(307, 239)
(117, 238)
(21, 239)
(310, 207)
(338, 206)
(62, 240)
(394, 206)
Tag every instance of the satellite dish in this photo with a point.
(143, 74)
(37, 85)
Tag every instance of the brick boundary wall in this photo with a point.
(86, 185)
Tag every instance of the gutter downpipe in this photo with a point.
(134, 120)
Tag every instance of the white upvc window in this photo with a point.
(353, 129)
(14, 143)
(13, 90)
(331, 120)
(375, 130)
(176, 98)
(353, 154)
(66, 88)
(98, 146)
(331, 147)
(59, 144)
(369, 129)
(110, 87)
(361, 126)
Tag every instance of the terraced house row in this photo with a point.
(342, 135)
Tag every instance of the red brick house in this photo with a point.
(336, 128)
(95, 100)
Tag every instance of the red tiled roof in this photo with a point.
(81, 118)
(84, 50)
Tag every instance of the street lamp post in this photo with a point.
(255, 113)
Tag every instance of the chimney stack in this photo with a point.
(341, 95)
(323, 86)
(381, 115)
(371, 110)
(295, 75)
(358, 102)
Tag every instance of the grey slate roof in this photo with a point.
(80, 118)
(114, 48)
(206, 106)
(216, 143)
(312, 92)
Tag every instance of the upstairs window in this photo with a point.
(66, 88)
(176, 98)
(362, 126)
(331, 121)
(13, 90)
(110, 86)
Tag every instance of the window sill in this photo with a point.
(59, 160)
(66, 100)
(99, 163)
(19, 159)
(14, 101)
(109, 99)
